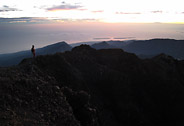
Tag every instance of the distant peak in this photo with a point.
(82, 47)
(101, 43)
(104, 42)
(57, 44)
(163, 56)
(63, 42)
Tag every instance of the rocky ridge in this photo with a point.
(88, 87)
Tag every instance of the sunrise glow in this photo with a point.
(113, 11)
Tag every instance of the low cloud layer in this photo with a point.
(98, 11)
(23, 20)
(6, 8)
(64, 6)
(36, 20)
(158, 11)
(128, 13)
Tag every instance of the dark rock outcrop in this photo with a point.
(89, 87)
(28, 97)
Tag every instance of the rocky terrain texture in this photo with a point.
(89, 87)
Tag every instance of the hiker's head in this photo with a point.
(32, 46)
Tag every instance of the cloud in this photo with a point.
(38, 20)
(64, 6)
(75, 20)
(128, 13)
(6, 8)
(83, 9)
(180, 32)
(98, 11)
(24, 20)
(158, 11)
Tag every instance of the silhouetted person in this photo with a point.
(33, 51)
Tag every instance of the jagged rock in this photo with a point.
(88, 87)
(81, 107)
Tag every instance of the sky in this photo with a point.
(42, 22)
(165, 11)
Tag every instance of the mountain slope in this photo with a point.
(54, 48)
(102, 45)
(119, 44)
(156, 46)
(113, 43)
(15, 58)
(90, 87)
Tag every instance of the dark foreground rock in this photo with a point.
(88, 87)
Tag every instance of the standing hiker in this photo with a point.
(33, 51)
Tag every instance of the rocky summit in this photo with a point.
(89, 87)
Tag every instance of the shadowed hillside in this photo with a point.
(89, 87)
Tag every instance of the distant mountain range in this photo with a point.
(174, 48)
(147, 48)
(86, 43)
(15, 58)
(142, 48)
(113, 43)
